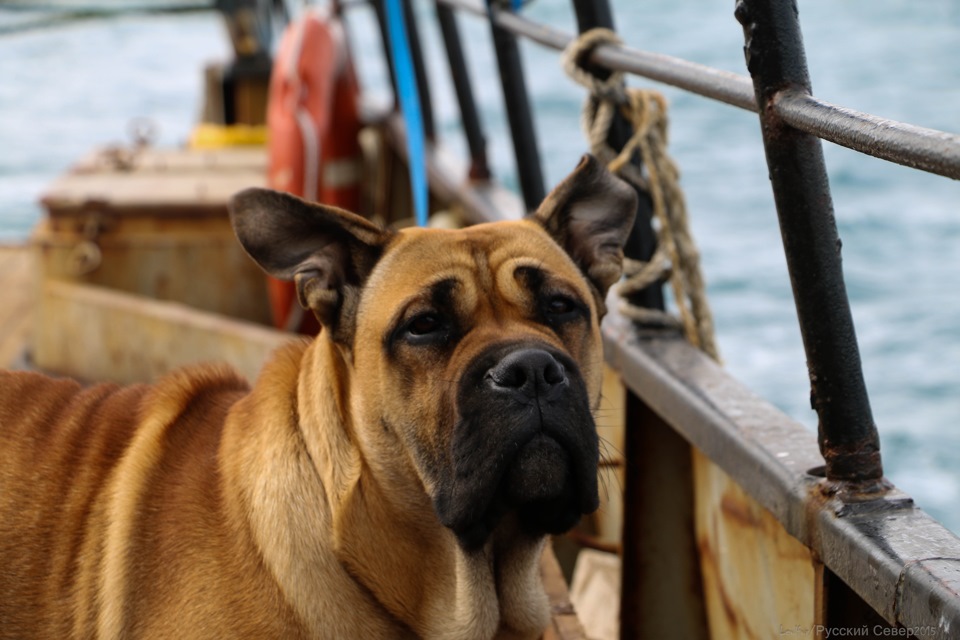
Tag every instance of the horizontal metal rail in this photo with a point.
(921, 148)
(912, 146)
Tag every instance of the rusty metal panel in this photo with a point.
(195, 262)
(759, 581)
(155, 223)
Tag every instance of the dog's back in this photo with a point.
(62, 448)
(58, 444)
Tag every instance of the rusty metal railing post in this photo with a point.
(519, 114)
(776, 61)
(479, 166)
(419, 69)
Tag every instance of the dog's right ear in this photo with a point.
(327, 251)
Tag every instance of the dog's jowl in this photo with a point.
(398, 476)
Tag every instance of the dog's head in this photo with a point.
(476, 351)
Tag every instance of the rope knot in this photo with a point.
(603, 84)
(676, 258)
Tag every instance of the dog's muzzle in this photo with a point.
(525, 441)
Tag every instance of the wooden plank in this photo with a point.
(93, 333)
(157, 193)
(148, 181)
(608, 519)
(759, 581)
(178, 160)
(564, 624)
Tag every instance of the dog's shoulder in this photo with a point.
(275, 389)
(192, 387)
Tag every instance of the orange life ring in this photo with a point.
(313, 122)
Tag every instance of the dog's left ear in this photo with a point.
(327, 251)
(590, 214)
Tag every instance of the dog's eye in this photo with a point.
(559, 309)
(560, 305)
(424, 324)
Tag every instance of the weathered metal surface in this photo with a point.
(842, 612)
(892, 554)
(196, 262)
(759, 581)
(918, 147)
(776, 60)
(155, 223)
(93, 333)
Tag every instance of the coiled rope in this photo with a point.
(676, 257)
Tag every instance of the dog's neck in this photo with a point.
(383, 524)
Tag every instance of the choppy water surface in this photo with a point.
(67, 89)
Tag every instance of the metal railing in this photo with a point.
(877, 548)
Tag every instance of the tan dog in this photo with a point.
(397, 477)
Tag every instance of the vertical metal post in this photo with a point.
(479, 167)
(661, 594)
(419, 69)
(519, 116)
(776, 60)
(642, 241)
(381, 12)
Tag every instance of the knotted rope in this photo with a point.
(676, 257)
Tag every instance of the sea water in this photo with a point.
(66, 89)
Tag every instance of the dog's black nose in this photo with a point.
(532, 373)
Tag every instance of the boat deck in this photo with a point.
(17, 310)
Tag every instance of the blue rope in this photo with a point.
(409, 106)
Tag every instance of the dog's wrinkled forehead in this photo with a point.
(482, 261)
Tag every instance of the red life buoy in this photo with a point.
(313, 121)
